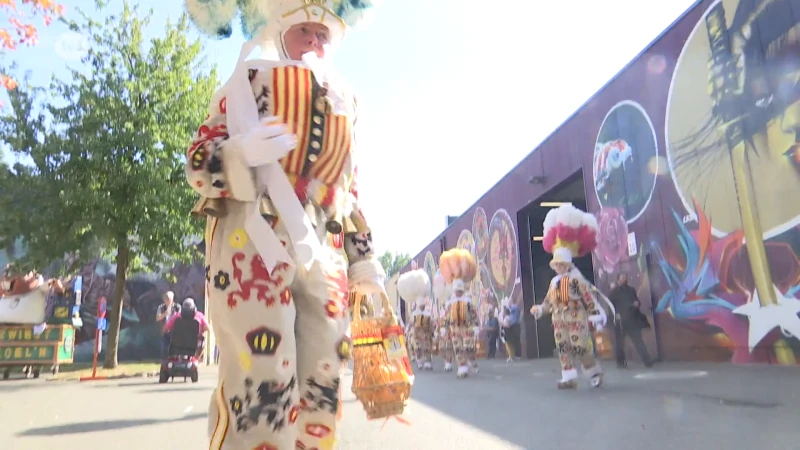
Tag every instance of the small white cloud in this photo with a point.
(72, 46)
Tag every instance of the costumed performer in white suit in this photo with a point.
(285, 240)
(417, 285)
(441, 293)
(569, 233)
(458, 267)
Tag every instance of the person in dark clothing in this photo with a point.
(492, 326)
(630, 322)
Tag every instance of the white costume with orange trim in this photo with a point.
(458, 267)
(286, 241)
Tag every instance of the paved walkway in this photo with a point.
(507, 406)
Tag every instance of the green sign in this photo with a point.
(30, 353)
(25, 334)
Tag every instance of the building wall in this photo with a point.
(689, 172)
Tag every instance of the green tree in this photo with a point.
(108, 146)
(393, 262)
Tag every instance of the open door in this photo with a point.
(535, 262)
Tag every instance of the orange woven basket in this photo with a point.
(382, 375)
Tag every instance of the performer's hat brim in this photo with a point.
(561, 255)
(266, 19)
(288, 13)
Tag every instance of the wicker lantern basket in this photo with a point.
(382, 375)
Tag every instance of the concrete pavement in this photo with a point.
(506, 406)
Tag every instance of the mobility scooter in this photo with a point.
(182, 359)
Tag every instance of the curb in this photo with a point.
(113, 377)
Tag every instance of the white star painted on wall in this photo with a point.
(764, 319)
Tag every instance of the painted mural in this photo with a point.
(726, 268)
(140, 335)
(733, 157)
(691, 161)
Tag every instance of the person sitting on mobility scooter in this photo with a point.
(188, 342)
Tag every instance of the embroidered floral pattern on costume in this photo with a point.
(333, 310)
(344, 348)
(222, 280)
(271, 401)
(322, 396)
(237, 239)
(359, 244)
(199, 158)
(262, 100)
(215, 163)
(269, 288)
(318, 430)
(263, 341)
(338, 291)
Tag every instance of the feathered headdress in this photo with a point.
(458, 267)
(441, 289)
(414, 285)
(569, 233)
(214, 18)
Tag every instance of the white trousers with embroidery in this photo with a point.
(282, 338)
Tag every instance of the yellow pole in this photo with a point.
(754, 242)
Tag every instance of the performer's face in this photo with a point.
(306, 37)
(561, 268)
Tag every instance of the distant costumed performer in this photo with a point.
(441, 292)
(417, 285)
(570, 233)
(458, 267)
(285, 239)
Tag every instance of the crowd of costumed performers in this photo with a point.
(416, 285)
(461, 321)
(570, 233)
(274, 166)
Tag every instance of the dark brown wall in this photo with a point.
(692, 309)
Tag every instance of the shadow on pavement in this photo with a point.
(122, 385)
(90, 427)
(157, 390)
(511, 397)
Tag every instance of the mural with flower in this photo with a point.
(612, 240)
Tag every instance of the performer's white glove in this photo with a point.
(435, 334)
(537, 311)
(267, 143)
(477, 331)
(598, 322)
(443, 333)
(366, 277)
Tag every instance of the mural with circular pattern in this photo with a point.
(502, 254)
(480, 231)
(621, 167)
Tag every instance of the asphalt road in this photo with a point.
(675, 406)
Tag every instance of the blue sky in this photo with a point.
(452, 95)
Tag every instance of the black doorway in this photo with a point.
(535, 262)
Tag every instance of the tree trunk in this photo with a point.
(115, 318)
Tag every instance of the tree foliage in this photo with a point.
(108, 148)
(18, 29)
(393, 262)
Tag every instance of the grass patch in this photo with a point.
(73, 372)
